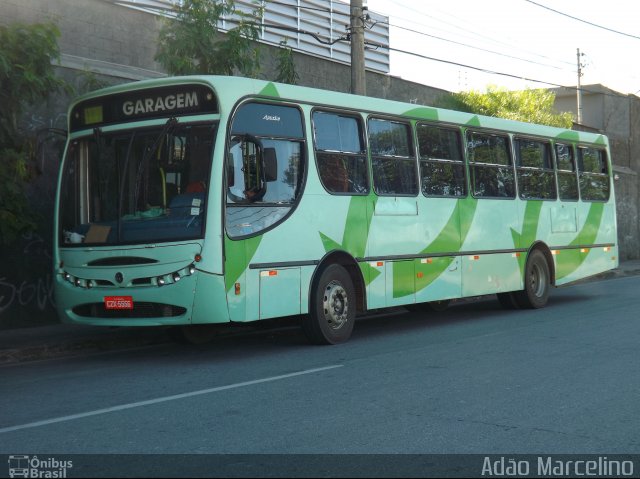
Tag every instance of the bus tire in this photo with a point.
(537, 282)
(332, 309)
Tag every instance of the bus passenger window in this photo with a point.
(441, 161)
(566, 165)
(490, 165)
(593, 173)
(536, 178)
(340, 153)
(392, 156)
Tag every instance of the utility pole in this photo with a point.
(358, 79)
(579, 89)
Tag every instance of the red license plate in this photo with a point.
(118, 302)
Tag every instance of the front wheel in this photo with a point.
(537, 281)
(332, 309)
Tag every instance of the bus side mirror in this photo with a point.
(270, 164)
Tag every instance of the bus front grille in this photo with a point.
(140, 310)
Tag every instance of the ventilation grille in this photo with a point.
(140, 310)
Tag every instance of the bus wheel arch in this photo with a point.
(539, 245)
(335, 295)
(539, 274)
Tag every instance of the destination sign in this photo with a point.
(178, 100)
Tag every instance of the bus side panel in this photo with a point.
(210, 302)
(491, 272)
(596, 225)
(437, 278)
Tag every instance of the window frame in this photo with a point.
(412, 149)
(471, 164)
(462, 162)
(549, 169)
(559, 171)
(304, 161)
(603, 151)
(362, 137)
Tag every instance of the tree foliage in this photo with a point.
(192, 44)
(534, 106)
(26, 78)
(286, 66)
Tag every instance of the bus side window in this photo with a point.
(340, 153)
(566, 166)
(536, 178)
(393, 159)
(441, 161)
(593, 174)
(490, 165)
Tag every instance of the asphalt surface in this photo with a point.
(66, 340)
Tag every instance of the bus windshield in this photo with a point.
(136, 186)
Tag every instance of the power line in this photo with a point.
(583, 21)
(472, 46)
(493, 72)
(472, 32)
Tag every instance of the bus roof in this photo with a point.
(237, 88)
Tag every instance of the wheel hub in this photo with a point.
(335, 305)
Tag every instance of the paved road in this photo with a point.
(475, 379)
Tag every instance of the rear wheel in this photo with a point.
(537, 281)
(332, 310)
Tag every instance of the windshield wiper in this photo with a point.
(168, 126)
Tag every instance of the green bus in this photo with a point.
(196, 200)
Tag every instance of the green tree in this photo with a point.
(26, 77)
(534, 106)
(192, 44)
(286, 66)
